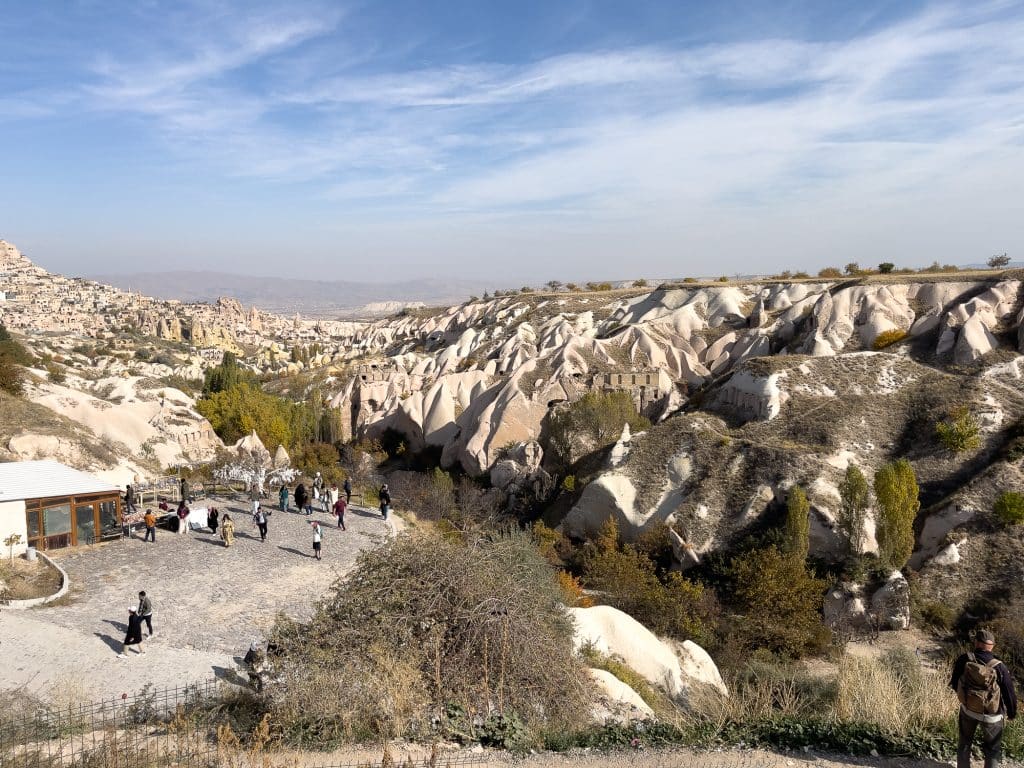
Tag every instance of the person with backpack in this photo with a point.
(385, 500)
(984, 686)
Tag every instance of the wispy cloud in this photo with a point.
(662, 133)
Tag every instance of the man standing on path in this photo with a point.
(339, 512)
(385, 500)
(134, 634)
(145, 611)
(129, 499)
(150, 520)
(348, 490)
(987, 699)
(260, 520)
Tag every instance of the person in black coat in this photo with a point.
(301, 498)
(134, 634)
(213, 519)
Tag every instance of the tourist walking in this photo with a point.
(145, 612)
(332, 498)
(282, 497)
(259, 519)
(348, 490)
(212, 519)
(134, 634)
(318, 485)
(301, 498)
(984, 686)
(150, 520)
(227, 530)
(339, 512)
(183, 488)
(385, 500)
(317, 538)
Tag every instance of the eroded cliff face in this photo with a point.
(474, 378)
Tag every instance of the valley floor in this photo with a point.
(209, 603)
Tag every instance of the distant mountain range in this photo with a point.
(286, 295)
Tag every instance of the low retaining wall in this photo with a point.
(65, 584)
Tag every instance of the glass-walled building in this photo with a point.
(47, 505)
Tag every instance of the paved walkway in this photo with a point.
(209, 602)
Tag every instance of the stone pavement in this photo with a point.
(209, 601)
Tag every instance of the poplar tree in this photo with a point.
(854, 494)
(798, 527)
(898, 504)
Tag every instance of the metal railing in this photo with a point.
(169, 727)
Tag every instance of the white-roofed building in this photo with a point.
(51, 506)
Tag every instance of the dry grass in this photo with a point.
(24, 580)
(894, 692)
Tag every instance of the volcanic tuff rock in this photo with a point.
(474, 378)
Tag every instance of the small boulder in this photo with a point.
(618, 703)
(892, 602)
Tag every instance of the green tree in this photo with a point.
(886, 267)
(897, 494)
(226, 375)
(798, 530)
(855, 496)
(1000, 261)
(853, 269)
(236, 412)
(779, 600)
(13, 356)
(961, 433)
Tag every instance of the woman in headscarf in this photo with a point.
(227, 530)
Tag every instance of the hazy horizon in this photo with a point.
(510, 143)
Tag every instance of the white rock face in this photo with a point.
(620, 703)
(892, 602)
(614, 633)
(947, 556)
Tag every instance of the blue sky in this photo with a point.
(519, 141)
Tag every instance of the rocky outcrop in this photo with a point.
(673, 668)
(617, 702)
(891, 603)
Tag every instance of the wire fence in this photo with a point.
(181, 727)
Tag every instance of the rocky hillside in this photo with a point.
(473, 379)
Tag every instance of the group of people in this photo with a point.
(137, 614)
(330, 499)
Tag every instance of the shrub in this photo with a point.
(572, 591)
(569, 483)
(801, 275)
(853, 269)
(591, 423)
(830, 272)
(779, 600)
(320, 457)
(604, 286)
(55, 372)
(723, 279)
(431, 628)
(1009, 508)
(888, 338)
(886, 267)
(628, 580)
(12, 376)
(1000, 261)
(897, 494)
(641, 283)
(961, 433)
